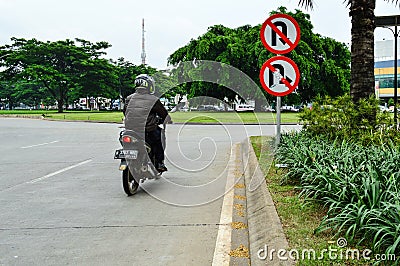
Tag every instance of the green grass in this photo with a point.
(178, 117)
(25, 112)
(88, 116)
(299, 218)
(69, 115)
(4, 112)
(232, 117)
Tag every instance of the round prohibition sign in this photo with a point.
(280, 33)
(279, 76)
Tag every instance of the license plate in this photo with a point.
(126, 154)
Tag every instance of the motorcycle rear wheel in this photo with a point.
(129, 183)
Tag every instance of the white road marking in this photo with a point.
(58, 172)
(41, 144)
(223, 243)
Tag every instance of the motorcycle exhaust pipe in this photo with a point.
(152, 170)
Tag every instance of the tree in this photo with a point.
(165, 84)
(59, 66)
(30, 93)
(126, 73)
(324, 63)
(215, 45)
(362, 54)
(97, 79)
(7, 93)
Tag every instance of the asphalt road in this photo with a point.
(61, 197)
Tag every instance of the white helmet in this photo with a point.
(145, 81)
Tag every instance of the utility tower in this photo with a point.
(143, 51)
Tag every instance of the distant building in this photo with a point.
(384, 69)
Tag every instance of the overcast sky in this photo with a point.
(169, 24)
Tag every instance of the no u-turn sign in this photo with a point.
(280, 33)
(279, 76)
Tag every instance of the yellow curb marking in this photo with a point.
(238, 225)
(238, 173)
(240, 213)
(239, 185)
(238, 207)
(241, 252)
(240, 197)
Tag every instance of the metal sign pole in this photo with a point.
(279, 67)
(395, 73)
(278, 120)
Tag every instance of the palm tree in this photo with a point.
(362, 48)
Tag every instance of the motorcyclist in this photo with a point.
(142, 112)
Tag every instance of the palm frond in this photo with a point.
(310, 3)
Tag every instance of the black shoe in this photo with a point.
(161, 167)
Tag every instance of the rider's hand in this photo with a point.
(168, 119)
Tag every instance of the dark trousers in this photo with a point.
(153, 138)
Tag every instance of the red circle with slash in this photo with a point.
(284, 80)
(289, 29)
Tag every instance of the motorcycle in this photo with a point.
(137, 160)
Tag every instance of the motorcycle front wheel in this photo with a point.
(129, 183)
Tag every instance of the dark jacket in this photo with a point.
(141, 110)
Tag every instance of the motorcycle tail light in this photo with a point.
(126, 139)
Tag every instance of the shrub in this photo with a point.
(341, 118)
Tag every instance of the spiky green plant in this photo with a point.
(359, 185)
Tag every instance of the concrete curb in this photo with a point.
(240, 234)
(224, 236)
(58, 120)
(22, 116)
(265, 228)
